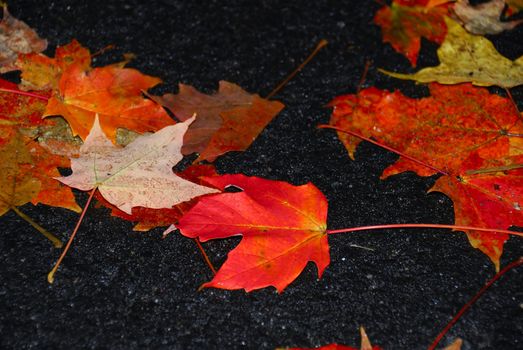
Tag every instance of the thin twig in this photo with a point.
(205, 256)
(57, 243)
(25, 93)
(50, 276)
(494, 169)
(320, 45)
(364, 74)
(473, 300)
(453, 227)
(326, 126)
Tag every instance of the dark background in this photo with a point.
(120, 289)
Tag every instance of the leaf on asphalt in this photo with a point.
(483, 18)
(283, 228)
(404, 24)
(148, 218)
(457, 129)
(486, 193)
(17, 186)
(441, 130)
(468, 58)
(112, 92)
(40, 72)
(228, 120)
(139, 174)
(18, 112)
(16, 37)
(28, 172)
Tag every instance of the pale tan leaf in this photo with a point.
(139, 174)
(483, 18)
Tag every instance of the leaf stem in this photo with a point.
(25, 93)
(473, 300)
(364, 75)
(320, 45)
(494, 169)
(454, 227)
(205, 256)
(57, 243)
(50, 276)
(355, 134)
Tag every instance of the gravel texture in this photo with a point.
(120, 289)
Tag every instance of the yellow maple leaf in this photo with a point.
(468, 58)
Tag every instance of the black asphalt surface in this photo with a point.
(120, 289)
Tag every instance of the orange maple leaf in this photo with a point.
(40, 72)
(25, 161)
(283, 228)
(21, 119)
(114, 93)
(80, 92)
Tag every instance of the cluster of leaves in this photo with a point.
(122, 144)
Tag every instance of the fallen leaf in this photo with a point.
(139, 174)
(56, 136)
(441, 130)
(16, 37)
(403, 24)
(483, 18)
(18, 112)
(283, 228)
(40, 72)
(486, 198)
(148, 218)
(114, 93)
(21, 120)
(468, 58)
(228, 120)
(17, 186)
(26, 165)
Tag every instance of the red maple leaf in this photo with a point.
(486, 193)
(441, 130)
(405, 22)
(283, 228)
(458, 129)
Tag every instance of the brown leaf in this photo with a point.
(16, 186)
(228, 120)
